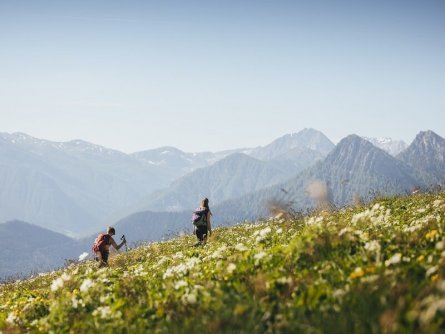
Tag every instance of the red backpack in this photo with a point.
(101, 240)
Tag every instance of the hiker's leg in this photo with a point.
(204, 237)
(199, 234)
(202, 232)
(103, 258)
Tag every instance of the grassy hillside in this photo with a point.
(373, 269)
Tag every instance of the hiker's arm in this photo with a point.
(209, 223)
(115, 245)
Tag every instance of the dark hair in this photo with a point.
(205, 203)
(111, 230)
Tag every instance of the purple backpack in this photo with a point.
(199, 217)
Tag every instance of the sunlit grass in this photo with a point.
(376, 268)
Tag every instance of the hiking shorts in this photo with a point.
(103, 256)
(201, 233)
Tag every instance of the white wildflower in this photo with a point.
(376, 215)
(180, 284)
(440, 245)
(182, 268)
(103, 311)
(12, 318)
(314, 220)
(189, 298)
(261, 235)
(344, 231)
(265, 231)
(161, 261)
(434, 304)
(339, 293)
(218, 253)
(413, 226)
(422, 210)
(231, 268)
(77, 302)
(359, 217)
(83, 256)
(373, 246)
(103, 299)
(396, 258)
(284, 280)
(259, 256)
(437, 203)
(431, 271)
(86, 285)
(178, 255)
(279, 231)
(58, 282)
(240, 247)
(139, 271)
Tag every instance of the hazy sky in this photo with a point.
(213, 75)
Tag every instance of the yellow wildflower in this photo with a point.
(357, 273)
(370, 269)
(431, 235)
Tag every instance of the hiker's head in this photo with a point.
(111, 230)
(205, 203)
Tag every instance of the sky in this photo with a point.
(215, 75)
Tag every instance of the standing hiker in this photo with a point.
(201, 221)
(101, 246)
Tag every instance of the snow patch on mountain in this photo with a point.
(387, 144)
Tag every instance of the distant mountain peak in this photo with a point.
(427, 137)
(426, 155)
(305, 139)
(353, 139)
(20, 137)
(73, 145)
(82, 145)
(427, 141)
(387, 144)
(354, 148)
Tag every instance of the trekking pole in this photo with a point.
(125, 241)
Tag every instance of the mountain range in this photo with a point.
(354, 170)
(77, 188)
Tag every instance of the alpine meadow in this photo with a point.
(375, 268)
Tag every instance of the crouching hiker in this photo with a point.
(101, 246)
(201, 221)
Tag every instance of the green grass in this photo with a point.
(378, 268)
